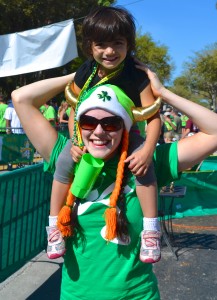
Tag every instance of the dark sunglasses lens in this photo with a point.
(88, 123)
(112, 124)
(108, 123)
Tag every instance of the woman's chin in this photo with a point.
(103, 151)
(99, 151)
(99, 154)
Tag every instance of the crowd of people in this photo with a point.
(175, 125)
(57, 115)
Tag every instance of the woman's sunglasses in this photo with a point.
(108, 124)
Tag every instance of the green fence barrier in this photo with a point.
(24, 210)
(15, 148)
(210, 163)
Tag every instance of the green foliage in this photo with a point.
(21, 15)
(154, 55)
(182, 88)
(201, 73)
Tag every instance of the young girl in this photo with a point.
(108, 41)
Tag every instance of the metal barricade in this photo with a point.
(24, 209)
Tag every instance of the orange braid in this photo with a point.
(64, 216)
(110, 213)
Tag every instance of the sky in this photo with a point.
(184, 26)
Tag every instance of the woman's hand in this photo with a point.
(156, 85)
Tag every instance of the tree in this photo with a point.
(20, 15)
(154, 55)
(201, 73)
(182, 88)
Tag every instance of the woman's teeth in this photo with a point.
(97, 142)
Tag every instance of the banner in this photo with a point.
(15, 148)
(38, 49)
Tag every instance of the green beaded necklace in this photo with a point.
(77, 139)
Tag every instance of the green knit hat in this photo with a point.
(110, 98)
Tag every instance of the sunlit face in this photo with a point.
(99, 143)
(110, 54)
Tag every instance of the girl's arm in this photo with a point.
(27, 101)
(71, 123)
(76, 152)
(141, 159)
(153, 124)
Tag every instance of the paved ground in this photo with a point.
(192, 277)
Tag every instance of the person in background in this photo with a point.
(3, 107)
(13, 123)
(63, 117)
(169, 123)
(177, 120)
(190, 129)
(42, 109)
(49, 113)
(169, 137)
(184, 120)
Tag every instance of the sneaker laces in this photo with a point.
(150, 242)
(54, 235)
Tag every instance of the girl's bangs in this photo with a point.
(107, 32)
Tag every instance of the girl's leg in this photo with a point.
(61, 184)
(58, 195)
(147, 195)
(150, 237)
(147, 192)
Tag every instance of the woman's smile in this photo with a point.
(99, 142)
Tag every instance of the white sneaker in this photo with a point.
(56, 244)
(150, 251)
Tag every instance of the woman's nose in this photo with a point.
(98, 129)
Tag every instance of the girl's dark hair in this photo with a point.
(106, 24)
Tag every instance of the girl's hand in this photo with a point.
(139, 162)
(156, 85)
(77, 152)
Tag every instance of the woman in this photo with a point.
(63, 116)
(92, 266)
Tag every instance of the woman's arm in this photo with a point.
(27, 101)
(191, 150)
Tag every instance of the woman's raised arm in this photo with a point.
(191, 150)
(27, 101)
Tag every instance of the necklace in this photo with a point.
(77, 139)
